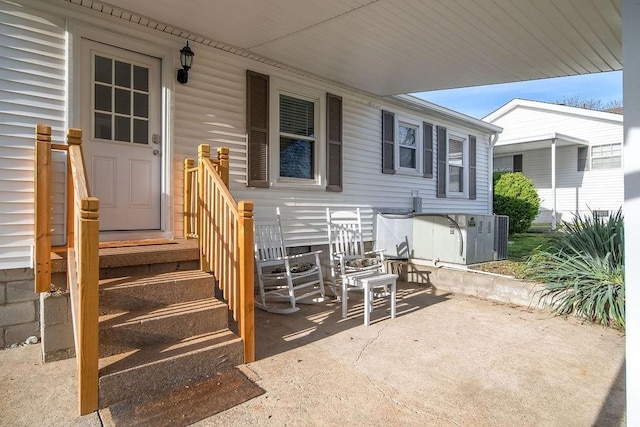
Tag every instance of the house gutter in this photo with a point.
(492, 143)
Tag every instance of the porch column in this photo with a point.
(553, 184)
(631, 156)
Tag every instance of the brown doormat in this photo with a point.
(185, 405)
(129, 243)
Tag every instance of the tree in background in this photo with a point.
(589, 104)
(515, 195)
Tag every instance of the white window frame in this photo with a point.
(399, 121)
(465, 164)
(592, 157)
(282, 87)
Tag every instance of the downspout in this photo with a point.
(553, 184)
(492, 143)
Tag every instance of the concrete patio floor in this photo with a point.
(446, 360)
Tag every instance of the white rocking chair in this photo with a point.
(346, 247)
(282, 277)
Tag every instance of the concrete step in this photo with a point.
(133, 293)
(162, 367)
(137, 329)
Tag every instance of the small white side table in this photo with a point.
(368, 281)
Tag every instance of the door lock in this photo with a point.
(156, 152)
(155, 138)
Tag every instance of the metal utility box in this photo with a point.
(455, 238)
(451, 238)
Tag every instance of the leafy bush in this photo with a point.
(514, 195)
(583, 270)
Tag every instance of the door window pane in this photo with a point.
(140, 78)
(141, 105)
(102, 67)
(140, 131)
(102, 127)
(123, 101)
(123, 74)
(102, 96)
(123, 129)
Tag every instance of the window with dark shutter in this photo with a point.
(427, 146)
(583, 157)
(517, 163)
(257, 129)
(334, 143)
(388, 132)
(472, 167)
(441, 171)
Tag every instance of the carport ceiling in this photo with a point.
(401, 46)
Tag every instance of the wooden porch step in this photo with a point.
(162, 367)
(132, 293)
(132, 330)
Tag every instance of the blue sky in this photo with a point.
(481, 100)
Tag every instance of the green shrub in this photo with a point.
(514, 195)
(583, 270)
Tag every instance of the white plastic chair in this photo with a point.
(346, 247)
(282, 277)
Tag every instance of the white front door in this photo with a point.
(122, 140)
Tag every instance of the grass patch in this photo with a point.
(520, 247)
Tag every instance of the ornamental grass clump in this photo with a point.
(583, 270)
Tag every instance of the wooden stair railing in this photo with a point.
(82, 253)
(224, 230)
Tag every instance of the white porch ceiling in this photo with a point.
(402, 46)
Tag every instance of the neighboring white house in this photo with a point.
(572, 155)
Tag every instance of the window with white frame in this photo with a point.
(457, 168)
(607, 156)
(409, 145)
(296, 126)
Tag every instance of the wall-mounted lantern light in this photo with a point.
(186, 60)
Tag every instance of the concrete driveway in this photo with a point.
(446, 360)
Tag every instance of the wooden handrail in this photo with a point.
(224, 230)
(82, 247)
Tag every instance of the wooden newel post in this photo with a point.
(246, 323)
(223, 165)
(188, 194)
(203, 153)
(74, 138)
(42, 226)
(88, 269)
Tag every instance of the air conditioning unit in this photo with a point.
(501, 237)
(459, 238)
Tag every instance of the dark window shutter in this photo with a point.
(583, 159)
(388, 149)
(334, 143)
(257, 130)
(517, 163)
(441, 171)
(427, 142)
(472, 167)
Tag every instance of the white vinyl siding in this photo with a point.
(32, 91)
(211, 109)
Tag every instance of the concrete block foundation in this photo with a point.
(19, 306)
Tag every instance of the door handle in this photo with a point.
(156, 152)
